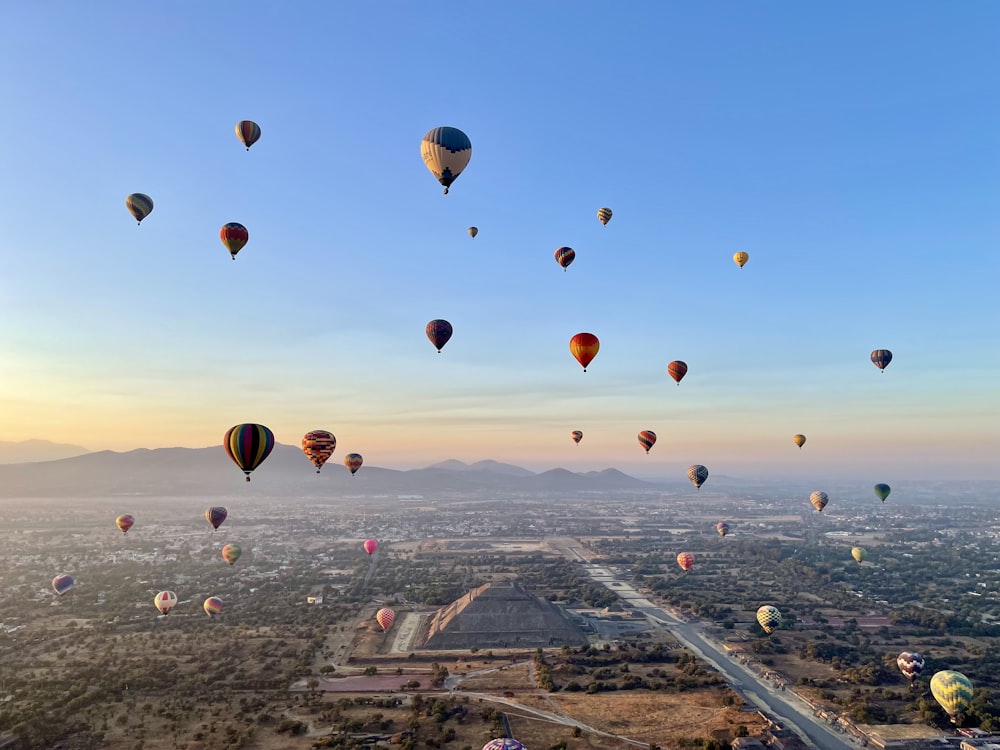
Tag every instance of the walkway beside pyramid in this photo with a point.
(501, 615)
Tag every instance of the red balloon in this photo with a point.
(584, 346)
(370, 546)
(677, 370)
(439, 332)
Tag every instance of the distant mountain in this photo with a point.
(208, 472)
(37, 450)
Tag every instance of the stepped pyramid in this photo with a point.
(501, 615)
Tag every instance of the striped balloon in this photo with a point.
(231, 553)
(248, 445)
(139, 205)
(165, 601)
(248, 132)
(564, 256)
(212, 606)
(584, 347)
(677, 370)
(604, 215)
(503, 743)
(953, 690)
(646, 439)
(881, 358)
(697, 474)
(722, 527)
(446, 151)
(353, 462)
(439, 332)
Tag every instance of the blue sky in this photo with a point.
(850, 148)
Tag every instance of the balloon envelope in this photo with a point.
(741, 258)
(231, 553)
(212, 606)
(722, 527)
(385, 617)
(248, 132)
(685, 560)
(318, 445)
(911, 664)
(234, 236)
(646, 439)
(584, 346)
(503, 743)
(370, 546)
(124, 523)
(881, 358)
(62, 583)
(473, 231)
(604, 215)
(139, 205)
(697, 474)
(165, 601)
(577, 436)
(564, 256)
(353, 462)
(439, 332)
(769, 618)
(677, 370)
(882, 491)
(446, 152)
(799, 440)
(953, 690)
(248, 445)
(216, 515)
(859, 554)
(819, 500)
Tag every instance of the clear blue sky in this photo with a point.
(852, 148)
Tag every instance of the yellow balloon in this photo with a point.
(741, 258)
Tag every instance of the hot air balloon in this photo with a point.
(881, 358)
(584, 346)
(859, 554)
(216, 515)
(353, 462)
(911, 664)
(473, 231)
(248, 445)
(565, 256)
(385, 617)
(318, 445)
(799, 440)
(439, 332)
(697, 474)
(604, 215)
(722, 527)
(741, 258)
(953, 691)
(685, 560)
(646, 439)
(503, 743)
(819, 500)
(882, 491)
(231, 553)
(446, 152)
(124, 523)
(165, 601)
(677, 370)
(212, 606)
(769, 618)
(62, 583)
(577, 436)
(370, 546)
(139, 205)
(234, 236)
(248, 132)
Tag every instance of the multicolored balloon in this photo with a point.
(882, 491)
(248, 445)
(577, 436)
(231, 553)
(604, 215)
(647, 438)
(248, 132)
(353, 462)
(370, 546)
(819, 500)
(685, 560)
(953, 690)
(697, 474)
(139, 205)
(385, 617)
(503, 743)
(165, 601)
(799, 440)
(677, 370)
(584, 347)
(722, 527)
(234, 236)
(62, 583)
(212, 605)
(446, 151)
(859, 554)
(439, 332)
(741, 258)
(318, 445)
(881, 358)
(216, 515)
(769, 618)
(911, 664)
(565, 256)
(473, 231)
(124, 523)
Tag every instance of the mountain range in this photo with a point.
(286, 473)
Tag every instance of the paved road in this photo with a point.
(790, 710)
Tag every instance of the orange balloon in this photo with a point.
(584, 346)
